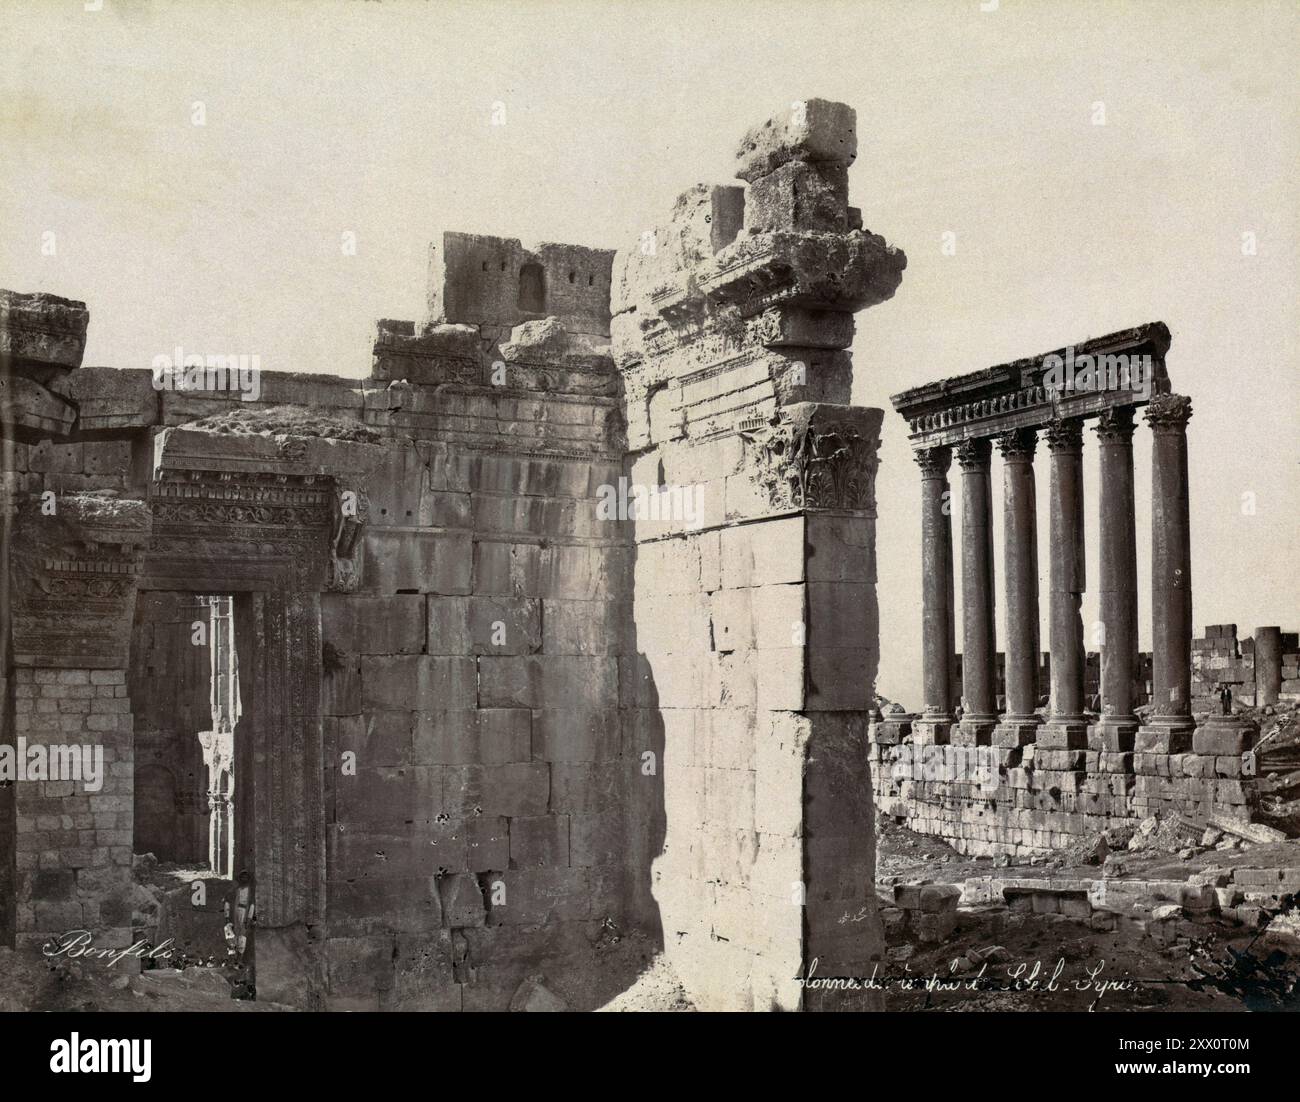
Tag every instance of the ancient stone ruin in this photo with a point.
(555, 634)
(548, 650)
(1005, 778)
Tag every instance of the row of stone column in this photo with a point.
(1066, 726)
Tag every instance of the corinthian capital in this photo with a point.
(1018, 445)
(1064, 436)
(1169, 413)
(934, 462)
(974, 454)
(1115, 425)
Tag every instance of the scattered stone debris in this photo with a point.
(253, 420)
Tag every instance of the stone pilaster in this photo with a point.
(979, 645)
(937, 629)
(1116, 725)
(1066, 725)
(1169, 728)
(1020, 570)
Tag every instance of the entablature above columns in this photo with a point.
(1071, 383)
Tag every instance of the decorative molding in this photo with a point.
(75, 574)
(212, 525)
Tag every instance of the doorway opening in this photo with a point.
(184, 688)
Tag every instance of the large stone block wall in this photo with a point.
(1028, 801)
(73, 846)
(534, 725)
(754, 609)
(1260, 669)
(476, 838)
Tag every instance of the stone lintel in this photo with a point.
(75, 574)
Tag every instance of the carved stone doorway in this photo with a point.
(265, 536)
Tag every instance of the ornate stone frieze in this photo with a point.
(1122, 369)
(75, 564)
(212, 522)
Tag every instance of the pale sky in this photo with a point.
(374, 119)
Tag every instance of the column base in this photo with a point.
(891, 731)
(1063, 733)
(1016, 731)
(1224, 736)
(1116, 734)
(1165, 735)
(931, 730)
(976, 730)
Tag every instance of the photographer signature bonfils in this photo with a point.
(80, 943)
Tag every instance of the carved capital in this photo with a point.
(1168, 414)
(1018, 445)
(1065, 435)
(1115, 425)
(807, 460)
(934, 462)
(974, 455)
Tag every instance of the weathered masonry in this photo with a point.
(558, 628)
(1018, 781)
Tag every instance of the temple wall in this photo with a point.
(496, 725)
(754, 610)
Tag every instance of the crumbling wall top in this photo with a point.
(479, 280)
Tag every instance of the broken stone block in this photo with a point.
(41, 334)
(799, 196)
(935, 898)
(814, 130)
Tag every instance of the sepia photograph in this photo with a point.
(724, 507)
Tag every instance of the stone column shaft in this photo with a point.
(979, 643)
(1268, 665)
(1171, 570)
(1020, 581)
(1066, 727)
(1116, 725)
(937, 650)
